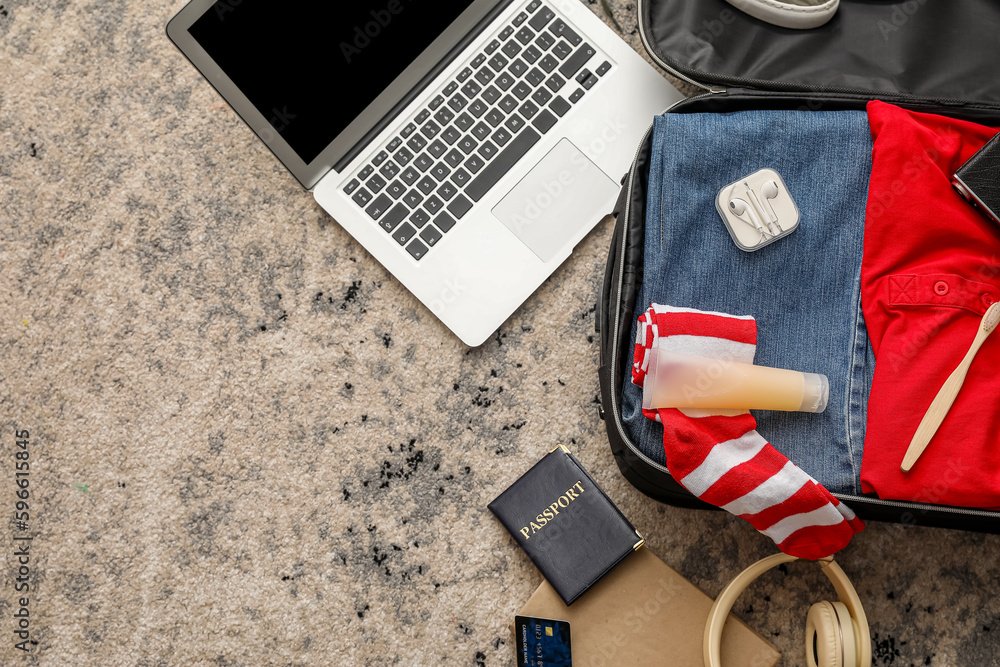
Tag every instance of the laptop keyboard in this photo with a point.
(421, 184)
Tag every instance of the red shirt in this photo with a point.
(931, 268)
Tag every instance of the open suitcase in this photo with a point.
(925, 55)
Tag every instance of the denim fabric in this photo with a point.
(803, 290)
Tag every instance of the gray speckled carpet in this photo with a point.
(250, 446)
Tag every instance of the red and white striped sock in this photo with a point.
(718, 455)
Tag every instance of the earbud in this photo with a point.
(741, 209)
(770, 191)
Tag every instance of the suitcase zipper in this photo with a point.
(614, 369)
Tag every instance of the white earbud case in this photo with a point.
(758, 209)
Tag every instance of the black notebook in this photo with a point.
(566, 524)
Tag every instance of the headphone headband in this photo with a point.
(712, 645)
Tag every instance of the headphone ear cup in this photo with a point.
(824, 645)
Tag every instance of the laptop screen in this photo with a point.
(311, 69)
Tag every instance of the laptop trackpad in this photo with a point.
(562, 194)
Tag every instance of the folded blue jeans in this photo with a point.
(803, 290)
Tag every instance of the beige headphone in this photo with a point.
(837, 633)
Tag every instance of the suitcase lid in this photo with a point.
(946, 52)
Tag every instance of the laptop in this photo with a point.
(468, 145)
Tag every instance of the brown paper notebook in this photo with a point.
(644, 613)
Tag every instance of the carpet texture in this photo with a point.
(249, 445)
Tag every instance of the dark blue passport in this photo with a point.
(566, 524)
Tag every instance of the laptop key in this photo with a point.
(467, 144)
(498, 62)
(521, 90)
(427, 185)
(419, 218)
(408, 130)
(433, 205)
(450, 89)
(485, 75)
(501, 137)
(379, 206)
(440, 171)
(403, 157)
(511, 49)
(458, 208)
(531, 54)
(604, 68)
(542, 18)
(409, 175)
(505, 81)
(525, 35)
(454, 158)
(430, 130)
(545, 41)
(362, 197)
(548, 63)
(375, 183)
(431, 236)
(413, 199)
(393, 218)
(477, 61)
(510, 156)
(491, 95)
(494, 117)
(562, 49)
(589, 83)
(560, 105)
(560, 29)
(583, 76)
(458, 103)
(541, 96)
(488, 150)
(520, 18)
(533, 5)
(352, 186)
(366, 172)
(444, 116)
(528, 109)
(422, 116)
(416, 143)
(389, 169)
(506, 33)
(403, 234)
(394, 144)
(423, 163)
(464, 122)
(478, 108)
(474, 164)
(577, 60)
(435, 103)
(514, 123)
(535, 77)
(417, 250)
(576, 96)
(508, 104)
(447, 190)
(555, 83)
(437, 148)
(451, 135)
(444, 222)
(518, 68)
(471, 89)
(460, 177)
(544, 121)
(396, 189)
(492, 46)
(464, 74)
(481, 131)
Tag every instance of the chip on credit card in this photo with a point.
(542, 642)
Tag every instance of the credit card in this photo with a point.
(542, 642)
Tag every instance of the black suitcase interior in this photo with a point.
(935, 57)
